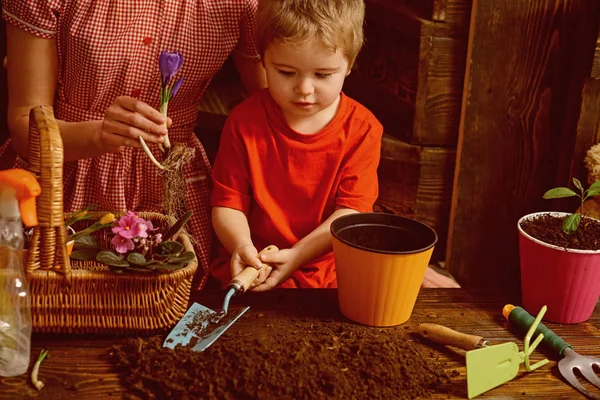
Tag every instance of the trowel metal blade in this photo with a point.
(198, 329)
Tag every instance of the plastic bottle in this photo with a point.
(18, 189)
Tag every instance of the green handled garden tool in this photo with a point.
(488, 366)
(571, 360)
(201, 326)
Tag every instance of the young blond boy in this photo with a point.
(299, 154)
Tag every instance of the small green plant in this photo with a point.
(571, 223)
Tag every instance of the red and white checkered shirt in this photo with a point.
(108, 48)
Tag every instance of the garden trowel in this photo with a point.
(488, 366)
(201, 326)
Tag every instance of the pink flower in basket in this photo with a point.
(137, 246)
(125, 226)
(122, 244)
(131, 229)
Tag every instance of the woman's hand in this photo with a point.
(125, 120)
(282, 263)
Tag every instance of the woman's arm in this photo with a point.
(251, 72)
(32, 72)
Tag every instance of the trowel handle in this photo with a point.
(446, 336)
(244, 279)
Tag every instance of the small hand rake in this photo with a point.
(488, 366)
(571, 360)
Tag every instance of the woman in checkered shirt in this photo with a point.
(96, 62)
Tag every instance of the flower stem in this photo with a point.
(163, 110)
(149, 153)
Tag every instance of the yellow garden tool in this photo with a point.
(487, 366)
(571, 360)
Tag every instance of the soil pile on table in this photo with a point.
(285, 358)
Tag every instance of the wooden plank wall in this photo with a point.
(3, 87)
(410, 75)
(528, 62)
(588, 126)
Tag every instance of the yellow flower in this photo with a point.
(107, 218)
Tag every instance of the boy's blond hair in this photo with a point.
(337, 24)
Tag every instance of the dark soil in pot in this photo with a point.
(280, 357)
(548, 229)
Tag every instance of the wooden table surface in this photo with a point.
(78, 366)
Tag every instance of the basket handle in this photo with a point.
(48, 247)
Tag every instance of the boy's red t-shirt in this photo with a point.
(288, 183)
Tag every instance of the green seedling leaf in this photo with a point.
(559, 192)
(173, 230)
(136, 259)
(85, 254)
(592, 193)
(170, 247)
(577, 184)
(571, 223)
(109, 258)
(183, 258)
(595, 186)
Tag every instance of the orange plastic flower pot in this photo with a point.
(380, 263)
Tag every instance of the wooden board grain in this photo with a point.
(416, 182)
(527, 62)
(588, 127)
(439, 95)
(596, 66)
(79, 368)
(452, 11)
(412, 83)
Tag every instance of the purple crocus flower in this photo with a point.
(176, 87)
(169, 64)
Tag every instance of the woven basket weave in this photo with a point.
(86, 297)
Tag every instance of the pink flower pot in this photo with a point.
(565, 280)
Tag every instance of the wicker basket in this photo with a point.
(86, 297)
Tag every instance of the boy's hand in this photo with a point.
(283, 263)
(244, 256)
